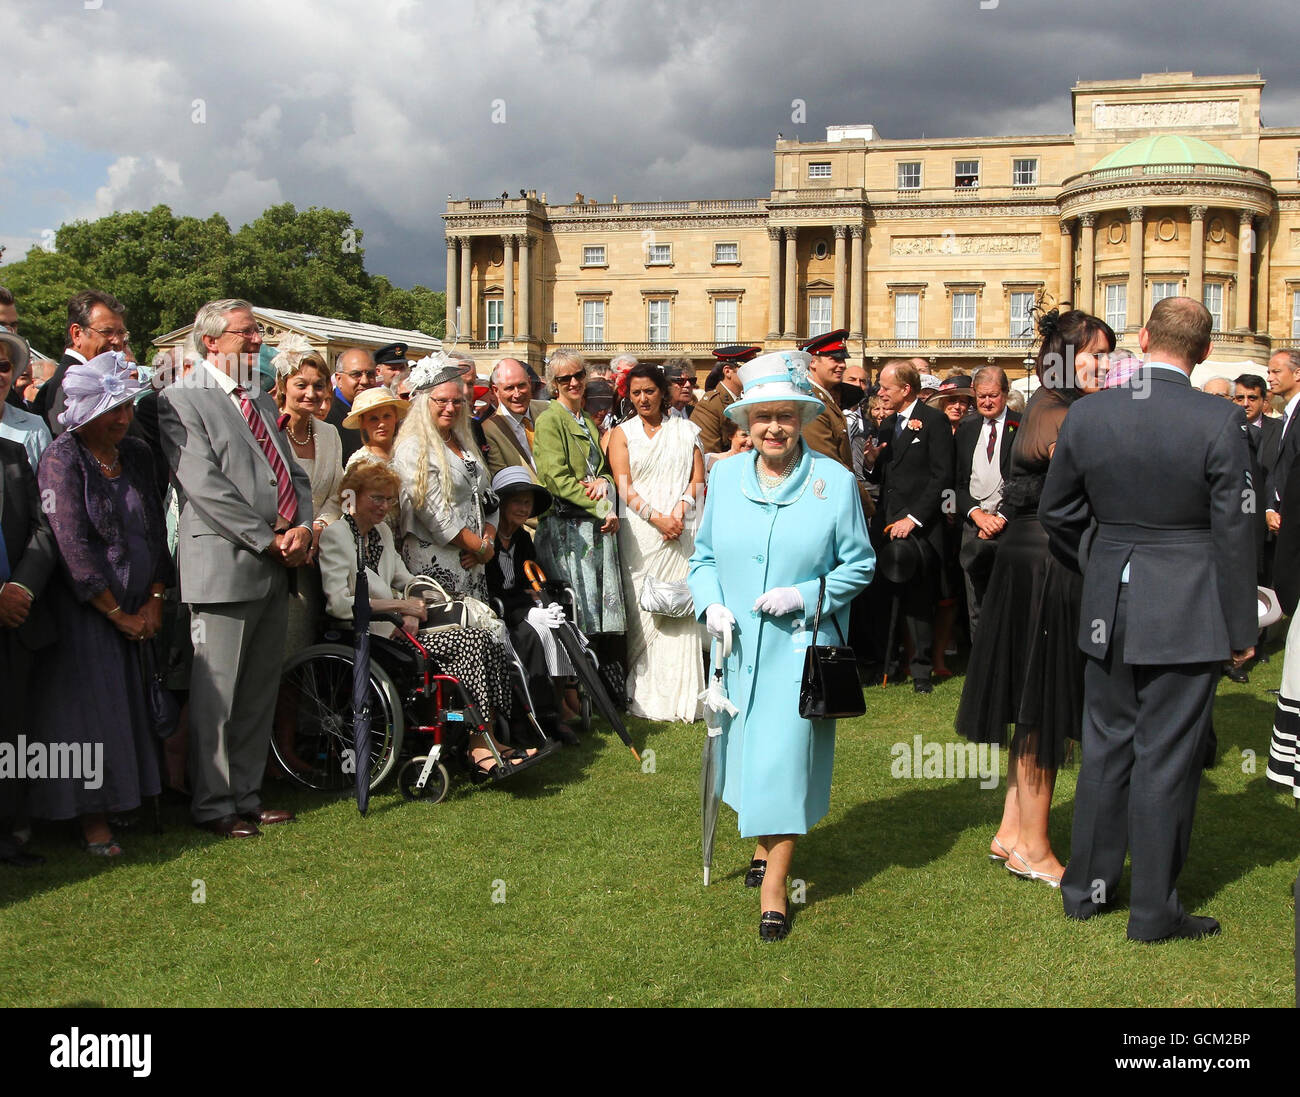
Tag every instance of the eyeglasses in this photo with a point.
(112, 333)
(447, 401)
(383, 500)
(5, 365)
(689, 382)
(246, 333)
(369, 375)
(569, 378)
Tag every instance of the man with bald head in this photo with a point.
(354, 372)
(1218, 386)
(509, 430)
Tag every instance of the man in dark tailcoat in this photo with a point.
(1159, 524)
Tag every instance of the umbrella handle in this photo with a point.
(534, 574)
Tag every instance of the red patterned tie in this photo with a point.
(286, 499)
(993, 438)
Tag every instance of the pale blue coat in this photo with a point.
(778, 765)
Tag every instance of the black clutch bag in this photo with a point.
(164, 711)
(830, 689)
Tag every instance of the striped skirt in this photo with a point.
(1283, 755)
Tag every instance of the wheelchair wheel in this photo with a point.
(312, 737)
(584, 708)
(435, 788)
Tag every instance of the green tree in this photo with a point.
(41, 285)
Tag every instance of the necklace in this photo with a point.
(110, 468)
(775, 479)
(301, 441)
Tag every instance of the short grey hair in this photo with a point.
(1292, 354)
(493, 377)
(1004, 382)
(565, 356)
(616, 362)
(212, 319)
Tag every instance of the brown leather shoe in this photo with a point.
(230, 826)
(269, 817)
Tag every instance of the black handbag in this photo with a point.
(831, 689)
(163, 708)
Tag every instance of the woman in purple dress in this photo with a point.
(98, 489)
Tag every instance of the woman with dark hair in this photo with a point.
(659, 473)
(1026, 670)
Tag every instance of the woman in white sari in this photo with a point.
(659, 471)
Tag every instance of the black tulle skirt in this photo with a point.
(1026, 670)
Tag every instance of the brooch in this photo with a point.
(819, 488)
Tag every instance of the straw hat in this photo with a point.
(369, 400)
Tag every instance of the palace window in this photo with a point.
(1295, 315)
(909, 175)
(1022, 320)
(1117, 305)
(724, 319)
(1212, 296)
(659, 255)
(593, 321)
(819, 314)
(1024, 173)
(907, 316)
(1161, 290)
(593, 255)
(819, 169)
(963, 316)
(495, 312)
(967, 175)
(660, 321)
(726, 253)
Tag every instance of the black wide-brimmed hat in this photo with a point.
(514, 480)
(900, 559)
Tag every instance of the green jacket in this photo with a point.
(560, 449)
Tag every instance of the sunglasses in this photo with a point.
(570, 378)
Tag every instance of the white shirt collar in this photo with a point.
(74, 354)
(906, 413)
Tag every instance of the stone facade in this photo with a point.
(928, 248)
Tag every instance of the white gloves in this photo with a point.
(551, 617)
(779, 601)
(720, 622)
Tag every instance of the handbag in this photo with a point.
(666, 599)
(446, 612)
(164, 711)
(830, 689)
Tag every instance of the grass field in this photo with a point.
(595, 867)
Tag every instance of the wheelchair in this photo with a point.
(421, 719)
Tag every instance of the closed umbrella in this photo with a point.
(716, 705)
(361, 682)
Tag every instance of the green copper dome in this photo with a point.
(1165, 149)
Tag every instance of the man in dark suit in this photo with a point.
(354, 372)
(983, 455)
(27, 557)
(913, 463)
(1159, 523)
(1251, 395)
(1284, 383)
(96, 323)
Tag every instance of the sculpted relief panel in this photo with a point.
(1131, 116)
(952, 244)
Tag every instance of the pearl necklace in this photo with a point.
(301, 441)
(769, 482)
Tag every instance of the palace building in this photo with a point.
(1169, 185)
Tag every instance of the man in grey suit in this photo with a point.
(245, 514)
(1159, 523)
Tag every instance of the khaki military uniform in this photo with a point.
(828, 434)
(708, 416)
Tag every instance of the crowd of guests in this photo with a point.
(222, 503)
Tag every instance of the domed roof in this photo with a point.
(1165, 149)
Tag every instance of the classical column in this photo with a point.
(1245, 248)
(1136, 233)
(1087, 262)
(791, 283)
(841, 276)
(1262, 282)
(466, 325)
(1196, 260)
(453, 277)
(1065, 291)
(525, 325)
(774, 283)
(508, 305)
(857, 283)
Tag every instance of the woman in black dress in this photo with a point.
(1026, 669)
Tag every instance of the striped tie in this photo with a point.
(286, 499)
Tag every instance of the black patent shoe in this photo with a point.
(773, 926)
(757, 870)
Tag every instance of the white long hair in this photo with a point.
(425, 439)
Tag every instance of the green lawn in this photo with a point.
(598, 866)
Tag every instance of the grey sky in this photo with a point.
(383, 108)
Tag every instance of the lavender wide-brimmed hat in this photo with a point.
(95, 387)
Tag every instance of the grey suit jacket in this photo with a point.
(1175, 506)
(226, 491)
(504, 449)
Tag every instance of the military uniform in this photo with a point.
(708, 416)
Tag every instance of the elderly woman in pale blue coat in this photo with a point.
(775, 522)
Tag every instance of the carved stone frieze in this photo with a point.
(622, 224)
(1203, 112)
(933, 213)
(954, 244)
